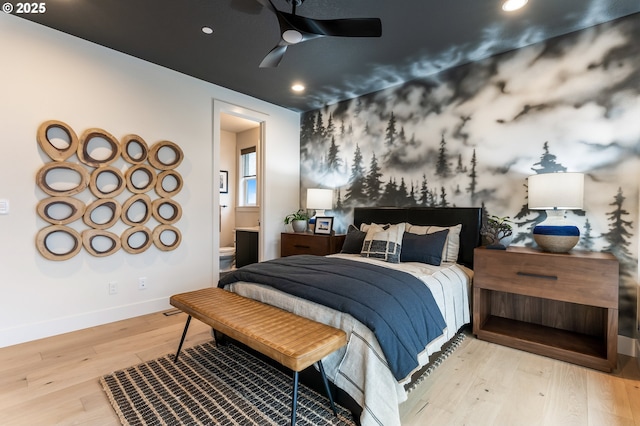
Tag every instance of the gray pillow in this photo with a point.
(353, 241)
(425, 248)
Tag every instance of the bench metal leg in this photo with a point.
(294, 398)
(184, 334)
(326, 386)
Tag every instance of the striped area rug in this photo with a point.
(214, 386)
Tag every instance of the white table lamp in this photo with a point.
(555, 193)
(319, 200)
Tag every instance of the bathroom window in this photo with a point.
(248, 182)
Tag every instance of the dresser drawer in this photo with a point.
(576, 277)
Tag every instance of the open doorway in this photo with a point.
(238, 209)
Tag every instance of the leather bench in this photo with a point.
(289, 339)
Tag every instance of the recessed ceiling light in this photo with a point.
(511, 5)
(207, 30)
(297, 87)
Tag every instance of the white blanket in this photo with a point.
(360, 368)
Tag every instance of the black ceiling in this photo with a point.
(419, 37)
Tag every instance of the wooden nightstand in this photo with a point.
(563, 306)
(306, 243)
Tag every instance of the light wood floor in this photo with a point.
(54, 381)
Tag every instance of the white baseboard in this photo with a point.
(628, 346)
(40, 330)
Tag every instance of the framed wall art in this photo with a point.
(224, 182)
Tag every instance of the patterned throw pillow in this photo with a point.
(383, 244)
(452, 245)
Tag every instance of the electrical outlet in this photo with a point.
(142, 283)
(113, 287)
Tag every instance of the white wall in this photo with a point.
(49, 75)
(228, 163)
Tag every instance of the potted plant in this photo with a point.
(298, 220)
(498, 232)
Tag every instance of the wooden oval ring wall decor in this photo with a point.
(151, 174)
(154, 155)
(41, 178)
(157, 237)
(113, 205)
(88, 237)
(95, 175)
(138, 198)
(129, 140)
(161, 202)
(44, 233)
(124, 239)
(147, 168)
(76, 206)
(57, 154)
(83, 148)
(160, 188)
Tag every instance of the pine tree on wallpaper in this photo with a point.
(306, 133)
(425, 195)
(473, 176)
(333, 160)
(586, 238)
(339, 207)
(443, 198)
(618, 244)
(319, 128)
(442, 165)
(356, 192)
(618, 234)
(390, 132)
(330, 127)
(402, 198)
(373, 184)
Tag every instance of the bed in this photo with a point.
(371, 370)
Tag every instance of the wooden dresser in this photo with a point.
(292, 243)
(561, 305)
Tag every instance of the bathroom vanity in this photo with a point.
(247, 246)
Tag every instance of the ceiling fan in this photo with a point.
(295, 29)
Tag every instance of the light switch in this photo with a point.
(4, 206)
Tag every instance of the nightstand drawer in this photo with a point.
(305, 243)
(578, 277)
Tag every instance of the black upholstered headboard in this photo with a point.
(469, 217)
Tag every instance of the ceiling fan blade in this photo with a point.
(350, 27)
(268, 5)
(273, 58)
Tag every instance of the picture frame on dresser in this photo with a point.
(324, 225)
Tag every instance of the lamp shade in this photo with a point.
(319, 199)
(564, 191)
(555, 193)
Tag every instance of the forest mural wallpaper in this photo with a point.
(471, 135)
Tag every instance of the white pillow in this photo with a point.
(383, 242)
(451, 246)
(364, 227)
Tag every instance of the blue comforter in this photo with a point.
(398, 307)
